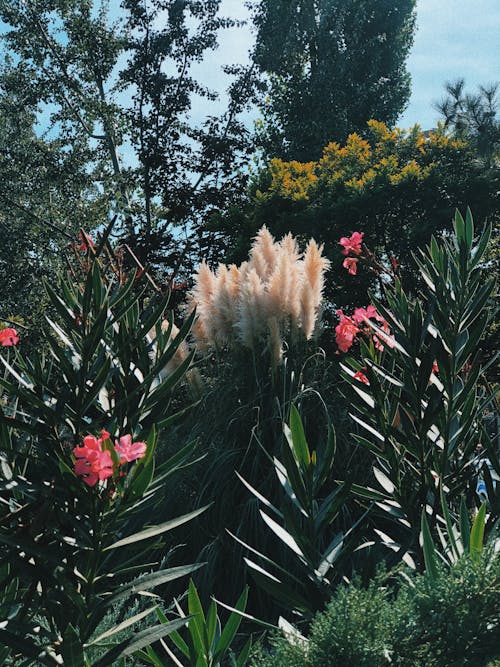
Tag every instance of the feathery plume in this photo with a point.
(274, 294)
(251, 309)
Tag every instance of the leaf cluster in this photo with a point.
(422, 413)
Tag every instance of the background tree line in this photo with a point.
(96, 123)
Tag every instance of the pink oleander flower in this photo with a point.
(359, 375)
(129, 451)
(92, 463)
(8, 337)
(348, 327)
(345, 332)
(350, 263)
(86, 242)
(369, 313)
(362, 315)
(352, 244)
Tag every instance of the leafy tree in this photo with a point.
(113, 88)
(474, 117)
(397, 187)
(45, 196)
(331, 66)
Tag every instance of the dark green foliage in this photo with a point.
(423, 423)
(207, 643)
(453, 619)
(331, 66)
(239, 424)
(41, 211)
(306, 519)
(72, 553)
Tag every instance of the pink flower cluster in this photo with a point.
(349, 327)
(8, 337)
(352, 245)
(95, 463)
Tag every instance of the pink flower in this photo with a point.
(435, 368)
(349, 263)
(345, 332)
(128, 450)
(361, 377)
(8, 337)
(95, 464)
(92, 463)
(86, 242)
(368, 313)
(352, 244)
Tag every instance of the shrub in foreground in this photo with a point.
(453, 619)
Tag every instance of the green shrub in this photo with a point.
(451, 620)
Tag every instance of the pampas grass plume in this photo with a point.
(274, 293)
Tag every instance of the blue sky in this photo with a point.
(454, 38)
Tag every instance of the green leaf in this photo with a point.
(449, 526)
(211, 623)
(469, 228)
(156, 530)
(71, 648)
(174, 636)
(477, 532)
(232, 626)
(280, 590)
(196, 626)
(299, 442)
(384, 481)
(464, 525)
(283, 534)
(428, 549)
(244, 654)
(459, 226)
(145, 582)
(121, 626)
(139, 641)
(479, 250)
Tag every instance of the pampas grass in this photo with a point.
(273, 297)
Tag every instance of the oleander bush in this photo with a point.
(84, 526)
(421, 404)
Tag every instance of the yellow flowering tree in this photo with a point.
(397, 186)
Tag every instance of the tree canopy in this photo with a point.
(396, 186)
(331, 66)
(115, 86)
